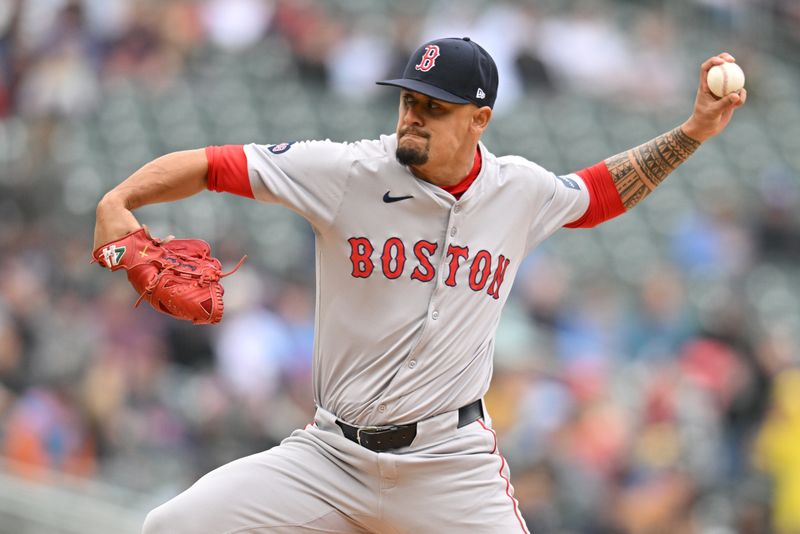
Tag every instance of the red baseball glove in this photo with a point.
(179, 277)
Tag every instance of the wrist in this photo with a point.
(690, 129)
(113, 219)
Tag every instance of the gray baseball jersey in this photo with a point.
(410, 285)
(410, 281)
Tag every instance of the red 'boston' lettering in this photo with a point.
(393, 261)
(360, 251)
(499, 274)
(399, 257)
(479, 271)
(424, 261)
(456, 254)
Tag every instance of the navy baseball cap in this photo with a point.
(454, 69)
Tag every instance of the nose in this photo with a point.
(411, 117)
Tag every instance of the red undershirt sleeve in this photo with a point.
(227, 170)
(604, 200)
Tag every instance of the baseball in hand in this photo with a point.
(725, 79)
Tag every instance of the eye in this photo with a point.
(433, 105)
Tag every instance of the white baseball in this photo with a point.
(725, 79)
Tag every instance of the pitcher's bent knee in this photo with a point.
(195, 511)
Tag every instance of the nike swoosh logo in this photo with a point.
(388, 199)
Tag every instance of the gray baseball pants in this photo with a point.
(450, 480)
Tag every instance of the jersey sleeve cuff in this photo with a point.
(227, 170)
(604, 200)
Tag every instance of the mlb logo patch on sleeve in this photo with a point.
(280, 148)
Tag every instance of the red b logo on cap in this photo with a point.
(428, 58)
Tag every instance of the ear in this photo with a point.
(481, 117)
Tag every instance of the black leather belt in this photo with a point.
(386, 438)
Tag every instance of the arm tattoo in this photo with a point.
(640, 170)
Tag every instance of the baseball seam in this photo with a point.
(724, 80)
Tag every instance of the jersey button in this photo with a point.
(412, 364)
(382, 408)
(435, 315)
(453, 231)
(457, 208)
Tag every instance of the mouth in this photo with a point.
(419, 135)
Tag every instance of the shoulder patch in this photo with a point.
(280, 148)
(569, 182)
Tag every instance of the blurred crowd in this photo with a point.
(57, 55)
(621, 406)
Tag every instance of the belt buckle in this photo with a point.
(372, 430)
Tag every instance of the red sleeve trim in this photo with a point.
(604, 200)
(227, 170)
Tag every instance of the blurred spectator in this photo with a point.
(61, 78)
(533, 72)
(714, 240)
(311, 33)
(10, 13)
(585, 51)
(107, 19)
(778, 227)
(660, 321)
(588, 333)
(359, 59)
(654, 62)
(46, 431)
(142, 52)
(777, 452)
(12, 355)
(252, 347)
(724, 13)
(236, 24)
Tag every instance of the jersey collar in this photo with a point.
(458, 189)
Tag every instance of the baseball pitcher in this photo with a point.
(419, 236)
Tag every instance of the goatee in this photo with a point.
(411, 156)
